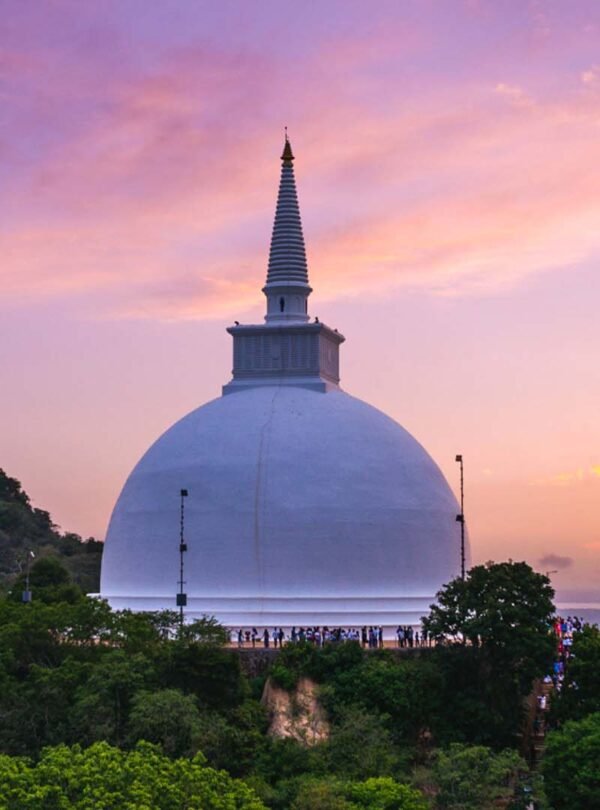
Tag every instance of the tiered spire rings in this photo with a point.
(287, 286)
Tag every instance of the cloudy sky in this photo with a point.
(448, 168)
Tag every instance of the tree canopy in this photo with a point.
(571, 765)
(494, 634)
(474, 777)
(382, 793)
(103, 776)
(504, 606)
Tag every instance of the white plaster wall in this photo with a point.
(301, 504)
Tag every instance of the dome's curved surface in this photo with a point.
(304, 508)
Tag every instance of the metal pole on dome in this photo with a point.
(181, 596)
(461, 518)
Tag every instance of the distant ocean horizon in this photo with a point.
(588, 611)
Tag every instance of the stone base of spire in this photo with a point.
(305, 355)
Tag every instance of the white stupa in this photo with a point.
(306, 506)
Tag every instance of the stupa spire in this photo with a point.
(287, 287)
(288, 349)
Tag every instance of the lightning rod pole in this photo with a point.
(181, 596)
(461, 518)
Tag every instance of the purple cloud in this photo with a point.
(555, 561)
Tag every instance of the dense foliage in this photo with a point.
(474, 777)
(571, 765)
(106, 777)
(373, 794)
(24, 529)
(494, 634)
(78, 673)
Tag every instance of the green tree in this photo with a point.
(501, 606)
(48, 572)
(571, 765)
(407, 692)
(89, 625)
(206, 630)
(101, 705)
(143, 632)
(285, 759)
(31, 634)
(474, 777)
(38, 711)
(211, 673)
(322, 794)
(69, 672)
(494, 638)
(165, 717)
(361, 746)
(386, 794)
(106, 777)
(233, 741)
(322, 664)
(332, 793)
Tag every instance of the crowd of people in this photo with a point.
(409, 637)
(565, 630)
(369, 637)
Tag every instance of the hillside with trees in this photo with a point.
(437, 728)
(26, 530)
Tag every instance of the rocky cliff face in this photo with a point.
(296, 714)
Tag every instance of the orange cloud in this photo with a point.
(570, 478)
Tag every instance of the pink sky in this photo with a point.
(448, 165)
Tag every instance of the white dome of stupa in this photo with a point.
(305, 505)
